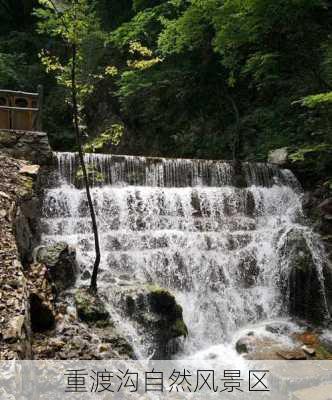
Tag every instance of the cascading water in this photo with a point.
(189, 226)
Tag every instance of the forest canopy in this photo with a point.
(218, 79)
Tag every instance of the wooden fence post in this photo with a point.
(40, 107)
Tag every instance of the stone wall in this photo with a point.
(30, 146)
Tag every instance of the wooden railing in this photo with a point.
(21, 110)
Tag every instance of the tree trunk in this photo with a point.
(237, 138)
(93, 284)
(236, 142)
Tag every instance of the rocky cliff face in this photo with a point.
(17, 181)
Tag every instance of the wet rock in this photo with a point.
(245, 344)
(250, 205)
(90, 307)
(117, 343)
(158, 316)
(60, 260)
(239, 181)
(306, 293)
(292, 355)
(248, 271)
(125, 277)
(164, 304)
(77, 341)
(86, 275)
(103, 348)
(196, 204)
(277, 328)
(278, 156)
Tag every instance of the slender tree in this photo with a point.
(73, 24)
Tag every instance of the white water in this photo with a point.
(215, 246)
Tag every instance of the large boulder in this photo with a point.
(305, 289)
(90, 307)
(159, 317)
(260, 347)
(170, 324)
(278, 156)
(60, 260)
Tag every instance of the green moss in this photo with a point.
(322, 353)
(180, 328)
(163, 303)
(90, 308)
(26, 188)
(7, 138)
(122, 346)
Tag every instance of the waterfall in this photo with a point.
(117, 170)
(189, 226)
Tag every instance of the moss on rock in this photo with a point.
(7, 138)
(90, 308)
(322, 353)
(171, 323)
(26, 189)
(158, 316)
(306, 295)
(60, 260)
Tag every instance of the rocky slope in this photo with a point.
(16, 237)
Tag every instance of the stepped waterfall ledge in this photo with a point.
(225, 245)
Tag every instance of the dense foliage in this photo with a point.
(187, 78)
